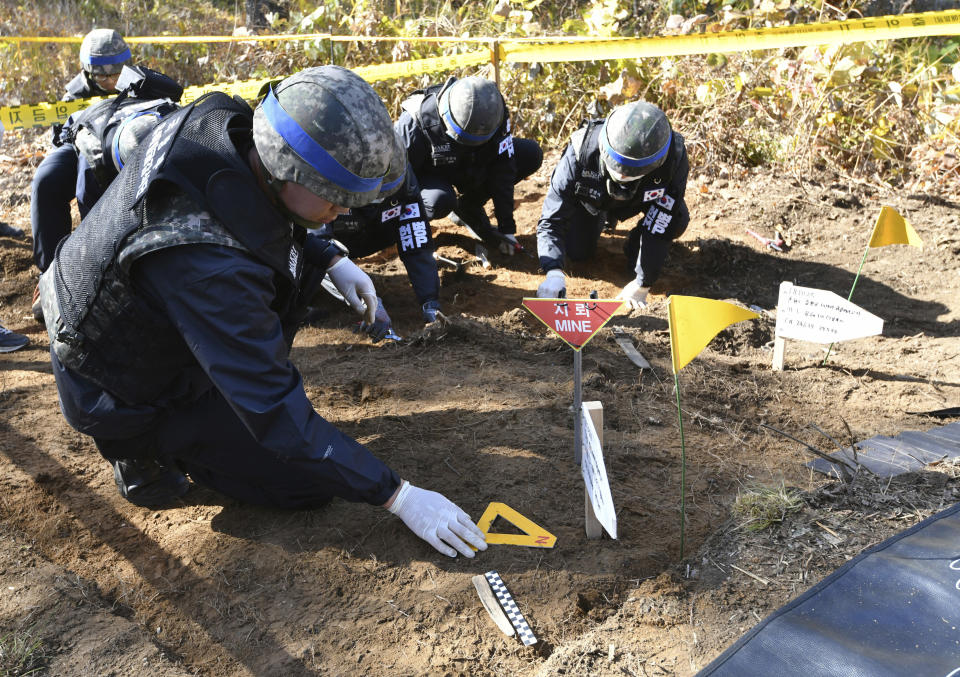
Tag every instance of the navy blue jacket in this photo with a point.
(660, 196)
(488, 170)
(219, 298)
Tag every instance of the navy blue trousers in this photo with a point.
(61, 176)
(208, 441)
(645, 253)
(54, 187)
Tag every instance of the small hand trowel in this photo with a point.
(490, 603)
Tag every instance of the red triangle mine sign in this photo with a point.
(574, 320)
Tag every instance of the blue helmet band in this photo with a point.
(109, 60)
(629, 161)
(388, 188)
(460, 132)
(312, 152)
(115, 144)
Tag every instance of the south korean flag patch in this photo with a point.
(506, 146)
(666, 202)
(651, 195)
(391, 213)
(411, 211)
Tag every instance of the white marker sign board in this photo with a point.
(595, 476)
(820, 316)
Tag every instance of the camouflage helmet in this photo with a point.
(634, 141)
(325, 129)
(131, 132)
(397, 171)
(103, 52)
(472, 110)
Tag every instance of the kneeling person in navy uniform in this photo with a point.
(463, 154)
(103, 54)
(171, 310)
(85, 162)
(613, 169)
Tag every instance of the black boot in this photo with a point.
(6, 230)
(148, 482)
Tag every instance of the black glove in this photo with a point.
(380, 326)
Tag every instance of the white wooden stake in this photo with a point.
(779, 344)
(592, 525)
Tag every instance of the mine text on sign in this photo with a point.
(573, 320)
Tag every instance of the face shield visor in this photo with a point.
(623, 172)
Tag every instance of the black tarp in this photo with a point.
(892, 611)
(906, 452)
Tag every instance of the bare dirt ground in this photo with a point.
(480, 410)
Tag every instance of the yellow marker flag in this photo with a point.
(892, 228)
(695, 321)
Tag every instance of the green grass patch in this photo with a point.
(22, 653)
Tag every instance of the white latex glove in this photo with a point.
(438, 521)
(355, 285)
(508, 248)
(634, 295)
(554, 287)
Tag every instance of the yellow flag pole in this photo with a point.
(850, 295)
(683, 464)
(699, 321)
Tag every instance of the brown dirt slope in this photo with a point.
(480, 409)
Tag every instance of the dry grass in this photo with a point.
(760, 507)
(860, 108)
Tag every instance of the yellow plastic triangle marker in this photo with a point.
(534, 536)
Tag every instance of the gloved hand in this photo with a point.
(508, 247)
(380, 325)
(437, 520)
(355, 285)
(554, 287)
(431, 312)
(634, 295)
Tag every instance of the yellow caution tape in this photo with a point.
(173, 39)
(521, 51)
(834, 32)
(284, 37)
(880, 28)
(44, 114)
(387, 71)
(40, 114)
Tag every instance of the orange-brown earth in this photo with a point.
(480, 410)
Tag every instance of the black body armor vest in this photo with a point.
(444, 151)
(104, 331)
(93, 129)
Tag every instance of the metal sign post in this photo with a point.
(576, 321)
(577, 403)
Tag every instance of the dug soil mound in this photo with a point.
(479, 408)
